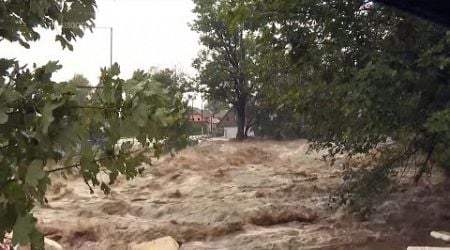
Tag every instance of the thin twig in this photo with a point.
(94, 161)
(5, 146)
(64, 168)
(90, 87)
(409, 152)
(94, 107)
(425, 163)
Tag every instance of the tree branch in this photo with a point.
(425, 163)
(76, 165)
(89, 87)
(95, 107)
(65, 168)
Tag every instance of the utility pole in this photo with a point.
(212, 120)
(175, 69)
(201, 107)
(110, 46)
(192, 108)
(111, 39)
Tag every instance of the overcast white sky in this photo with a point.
(146, 33)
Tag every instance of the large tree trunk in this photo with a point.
(240, 113)
(249, 123)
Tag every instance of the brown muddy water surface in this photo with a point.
(229, 195)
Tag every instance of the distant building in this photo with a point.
(197, 118)
(205, 118)
(229, 125)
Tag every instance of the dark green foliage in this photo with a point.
(368, 178)
(20, 19)
(48, 127)
(354, 76)
(365, 73)
(216, 106)
(82, 84)
(277, 96)
(197, 128)
(226, 64)
(175, 82)
(278, 124)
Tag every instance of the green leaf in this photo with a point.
(51, 124)
(140, 115)
(52, 67)
(3, 116)
(47, 115)
(35, 173)
(115, 69)
(37, 240)
(36, 8)
(24, 227)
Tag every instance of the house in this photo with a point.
(204, 119)
(229, 125)
(197, 118)
(213, 120)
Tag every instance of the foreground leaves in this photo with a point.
(48, 128)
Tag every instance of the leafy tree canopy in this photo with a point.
(176, 82)
(356, 75)
(367, 73)
(21, 19)
(84, 89)
(78, 80)
(216, 106)
(45, 127)
(226, 64)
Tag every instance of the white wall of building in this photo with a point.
(231, 132)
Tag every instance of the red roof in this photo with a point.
(198, 118)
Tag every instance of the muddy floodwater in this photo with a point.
(229, 195)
